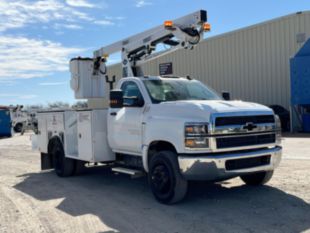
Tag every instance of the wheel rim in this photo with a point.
(161, 180)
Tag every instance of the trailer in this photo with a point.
(171, 129)
(5, 122)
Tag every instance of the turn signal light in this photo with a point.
(206, 27)
(113, 102)
(190, 143)
(168, 24)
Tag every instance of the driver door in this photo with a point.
(125, 124)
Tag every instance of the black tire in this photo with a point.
(18, 127)
(166, 182)
(259, 178)
(64, 167)
(79, 167)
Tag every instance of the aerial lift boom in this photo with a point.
(185, 32)
(88, 75)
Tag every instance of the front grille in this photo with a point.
(249, 140)
(242, 120)
(236, 164)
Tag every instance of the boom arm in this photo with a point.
(184, 32)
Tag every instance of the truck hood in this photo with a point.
(221, 105)
(202, 109)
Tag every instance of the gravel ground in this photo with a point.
(99, 201)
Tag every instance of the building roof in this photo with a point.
(257, 25)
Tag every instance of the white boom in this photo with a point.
(88, 75)
(184, 32)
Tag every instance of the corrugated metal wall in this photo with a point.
(251, 63)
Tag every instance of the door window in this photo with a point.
(132, 95)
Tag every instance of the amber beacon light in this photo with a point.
(168, 24)
(206, 27)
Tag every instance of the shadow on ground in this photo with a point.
(295, 135)
(127, 205)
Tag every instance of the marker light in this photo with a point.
(168, 24)
(206, 27)
(197, 143)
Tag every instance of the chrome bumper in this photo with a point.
(213, 166)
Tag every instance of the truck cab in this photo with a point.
(210, 138)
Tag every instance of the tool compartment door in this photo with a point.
(71, 134)
(42, 135)
(101, 148)
(85, 145)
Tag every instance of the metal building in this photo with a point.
(251, 63)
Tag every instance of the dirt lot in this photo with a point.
(99, 201)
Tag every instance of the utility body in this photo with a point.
(173, 129)
(22, 120)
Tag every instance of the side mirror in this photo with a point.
(226, 95)
(116, 99)
(133, 101)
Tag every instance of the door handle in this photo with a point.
(113, 113)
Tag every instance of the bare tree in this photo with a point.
(80, 105)
(58, 105)
(34, 107)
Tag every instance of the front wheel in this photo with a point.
(258, 178)
(166, 182)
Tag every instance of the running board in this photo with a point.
(129, 171)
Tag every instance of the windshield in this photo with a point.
(178, 89)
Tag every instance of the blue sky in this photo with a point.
(37, 38)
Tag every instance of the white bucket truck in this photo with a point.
(172, 129)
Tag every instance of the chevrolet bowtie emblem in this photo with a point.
(249, 126)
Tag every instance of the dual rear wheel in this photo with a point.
(64, 167)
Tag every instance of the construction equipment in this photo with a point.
(89, 75)
(172, 129)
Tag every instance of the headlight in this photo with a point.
(196, 129)
(278, 129)
(196, 135)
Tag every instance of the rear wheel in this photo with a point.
(63, 166)
(259, 178)
(166, 182)
(18, 127)
(79, 167)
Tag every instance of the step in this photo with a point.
(129, 171)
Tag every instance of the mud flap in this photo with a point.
(46, 162)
